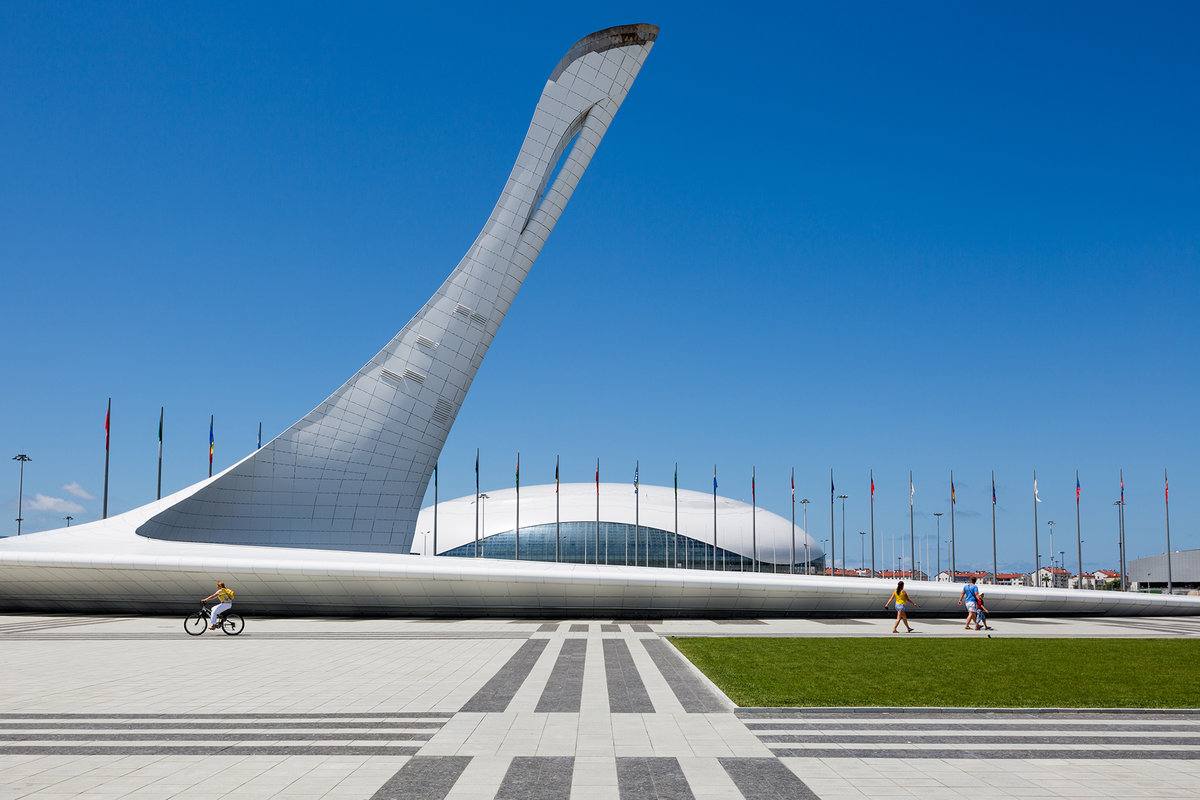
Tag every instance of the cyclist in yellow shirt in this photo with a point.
(225, 597)
(902, 600)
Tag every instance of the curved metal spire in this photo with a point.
(352, 473)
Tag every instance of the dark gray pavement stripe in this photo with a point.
(766, 779)
(378, 715)
(843, 622)
(209, 749)
(548, 627)
(977, 737)
(579, 629)
(538, 778)
(973, 727)
(498, 692)
(609, 627)
(220, 726)
(641, 627)
(564, 689)
(424, 778)
(738, 622)
(694, 695)
(651, 779)
(977, 755)
(626, 692)
(208, 736)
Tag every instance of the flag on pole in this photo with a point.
(1122, 489)
(211, 443)
(752, 495)
(676, 480)
(1166, 488)
(1077, 490)
(912, 490)
(831, 489)
(952, 500)
(872, 488)
(556, 474)
(160, 427)
(106, 415)
(1035, 492)
(793, 486)
(635, 478)
(714, 478)
(597, 477)
(518, 471)
(993, 490)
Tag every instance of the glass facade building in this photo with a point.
(618, 544)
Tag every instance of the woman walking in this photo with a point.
(902, 600)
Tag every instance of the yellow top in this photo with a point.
(225, 595)
(901, 597)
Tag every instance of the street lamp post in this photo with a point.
(1050, 525)
(68, 518)
(862, 549)
(938, 514)
(825, 549)
(807, 566)
(21, 458)
(843, 497)
(483, 517)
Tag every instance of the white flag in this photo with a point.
(1035, 493)
(911, 491)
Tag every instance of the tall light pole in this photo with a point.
(843, 497)
(938, 514)
(807, 566)
(68, 518)
(825, 549)
(1120, 504)
(21, 458)
(483, 518)
(862, 549)
(1050, 525)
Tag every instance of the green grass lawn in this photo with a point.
(909, 671)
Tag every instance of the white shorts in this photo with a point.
(972, 606)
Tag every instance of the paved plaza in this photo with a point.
(111, 707)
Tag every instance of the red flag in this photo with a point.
(106, 413)
(872, 490)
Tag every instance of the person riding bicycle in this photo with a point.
(225, 596)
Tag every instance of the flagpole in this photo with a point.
(953, 568)
(994, 562)
(517, 540)
(636, 506)
(476, 502)
(557, 516)
(1167, 508)
(832, 533)
(107, 435)
(1079, 540)
(754, 566)
(160, 435)
(260, 434)
(872, 523)
(911, 524)
(715, 522)
(435, 505)
(1037, 556)
(675, 560)
(1121, 518)
(211, 444)
(792, 565)
(597, 524)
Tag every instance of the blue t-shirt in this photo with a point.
(972, 593)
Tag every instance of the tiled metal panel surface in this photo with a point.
(352, 473)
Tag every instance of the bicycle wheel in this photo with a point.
(195, 624)
(233, 624)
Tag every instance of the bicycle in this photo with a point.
(230, 621)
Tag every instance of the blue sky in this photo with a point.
(858, 236)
